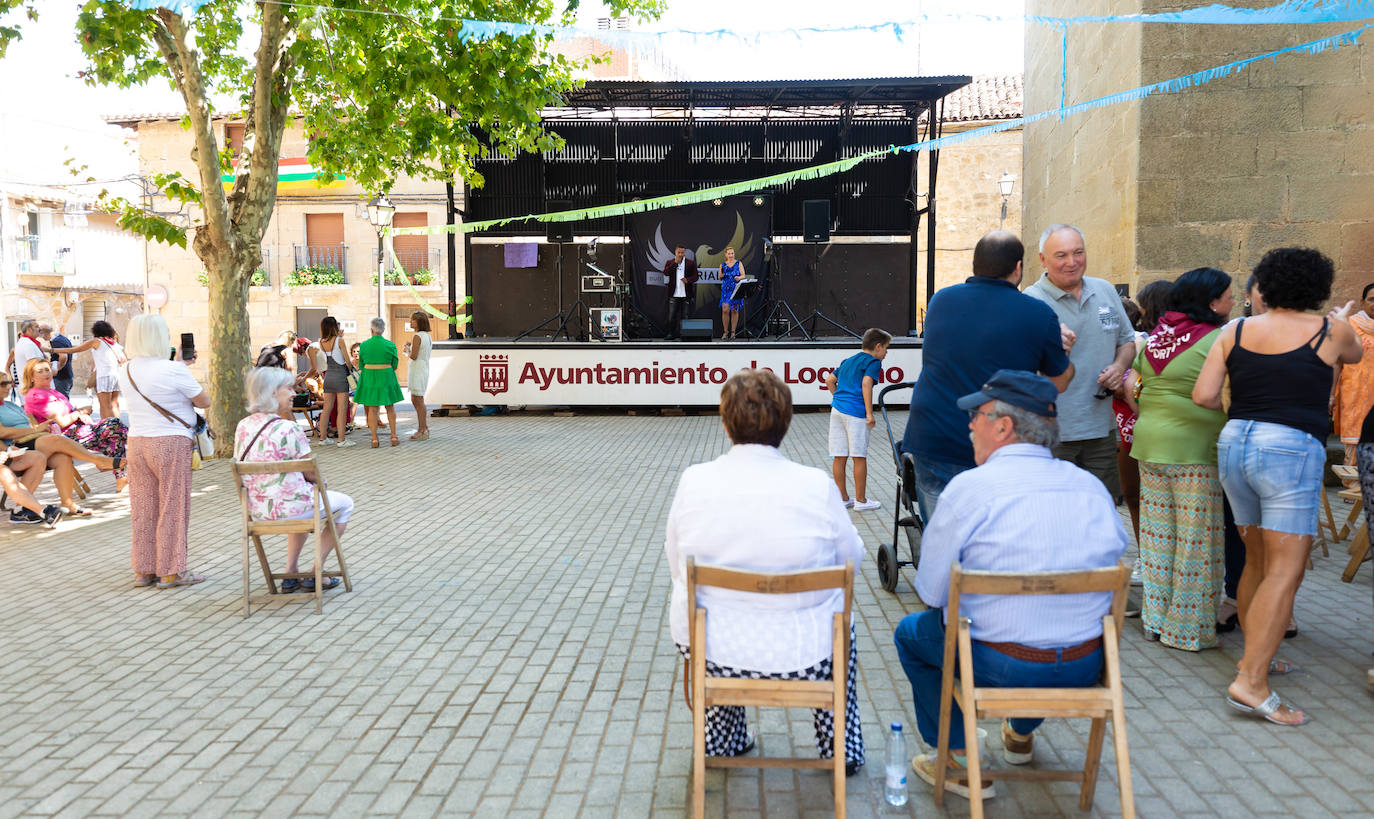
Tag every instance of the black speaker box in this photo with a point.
(816, 220)
(561, 232)
(697, 329)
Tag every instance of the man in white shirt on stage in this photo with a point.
(682, 277)
(1019, 510)
(755, 510)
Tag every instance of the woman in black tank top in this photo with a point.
(1272, 451)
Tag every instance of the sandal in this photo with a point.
(1267, 709)
(1292, 630)
(375, 444)
(395, 441)
(290, 585)
(308, 584)
(1277, 667)
(171, 581)
(142, 581)
(118, 462)
(83, 512)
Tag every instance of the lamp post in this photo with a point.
(1004, 185)
(379, 213)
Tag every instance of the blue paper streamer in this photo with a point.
(179, 6)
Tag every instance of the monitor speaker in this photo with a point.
(697, 329)
(560, 232)
(816, 220)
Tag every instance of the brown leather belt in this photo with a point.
(1047, 655)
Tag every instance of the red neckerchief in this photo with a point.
(1175, 334)
(108, 341)
(31, 338)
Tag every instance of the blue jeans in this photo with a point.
(920, 640)
(932, 477)
(1272, 475)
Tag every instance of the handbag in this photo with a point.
(202, 438)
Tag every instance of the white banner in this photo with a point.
(596, 374)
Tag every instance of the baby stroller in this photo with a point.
(906, 515)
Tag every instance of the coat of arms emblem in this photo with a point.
(493, 376)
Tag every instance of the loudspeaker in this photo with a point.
(697, 329)
(560, 232)
(816, 220)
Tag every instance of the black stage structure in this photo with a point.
(639, 140)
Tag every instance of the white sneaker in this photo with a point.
(1136, 578)
(346, 442)
(867, 505)
(849, 504)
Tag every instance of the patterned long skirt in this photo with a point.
(727, 730)
(108, 436)
(1181, 552)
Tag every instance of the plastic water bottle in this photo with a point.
(895, 789)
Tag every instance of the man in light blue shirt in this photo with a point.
(1103, 346)
(1020, 510)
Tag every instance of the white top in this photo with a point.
(1023, 510)
(426, 345)
(25, 349)
(320, 358)
(755, 510)
(680, 291)
(169, 384)
(107, 355)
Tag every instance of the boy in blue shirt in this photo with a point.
(851, 414)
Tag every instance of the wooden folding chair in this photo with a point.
(707, 691)
(255, 530)
(1099, 703)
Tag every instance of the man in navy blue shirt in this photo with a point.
(972, 330)
(61, 362)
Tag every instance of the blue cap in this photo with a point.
(1027, 390)
(896, 726)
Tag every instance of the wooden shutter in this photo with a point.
(413, 251)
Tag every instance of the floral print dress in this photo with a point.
(281, 496)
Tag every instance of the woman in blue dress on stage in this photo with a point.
(730, 274)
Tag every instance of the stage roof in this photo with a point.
(882, 92)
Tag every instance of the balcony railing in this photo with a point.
(326, 256)
(413, 261)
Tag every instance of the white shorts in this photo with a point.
(848, 436)
(107, 383)
(339, 503)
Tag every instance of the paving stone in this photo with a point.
(505, 652)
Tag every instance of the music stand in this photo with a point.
(747, 288)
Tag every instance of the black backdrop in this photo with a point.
(705, 229)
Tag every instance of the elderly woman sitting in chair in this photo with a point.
(755, 510)
(265, 435)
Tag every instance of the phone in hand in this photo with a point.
(188, 347)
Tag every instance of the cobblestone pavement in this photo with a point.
(505, 653)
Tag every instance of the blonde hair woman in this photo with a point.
(161, 400)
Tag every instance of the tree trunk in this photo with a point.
(230, 356)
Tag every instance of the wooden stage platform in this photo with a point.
(640, 372)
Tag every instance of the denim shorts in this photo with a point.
(1272, 475)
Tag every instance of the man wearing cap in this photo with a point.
(1103, 348)
(995, 517)
(973, 330)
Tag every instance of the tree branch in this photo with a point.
(185, 63)
(267, 120)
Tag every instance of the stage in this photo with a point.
(641, 373)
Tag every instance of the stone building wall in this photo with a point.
(968, 202)
(1083, 169)
(1279, 153)
(165, 146)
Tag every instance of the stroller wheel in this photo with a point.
(887, 566)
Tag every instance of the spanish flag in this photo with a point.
(296, 174)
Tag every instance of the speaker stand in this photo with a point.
(781, 306)
(815, 316)
(560, 316)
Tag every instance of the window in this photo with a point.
(233, 138)
(324, 247)
(412, 251)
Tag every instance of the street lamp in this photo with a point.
(379, 213)
(1004, 185)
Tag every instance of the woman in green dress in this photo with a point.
(377, 384)
(1176, 444)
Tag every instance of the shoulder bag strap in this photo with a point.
(254, 439)
(129, 370)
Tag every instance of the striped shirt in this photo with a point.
(1023, 511)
